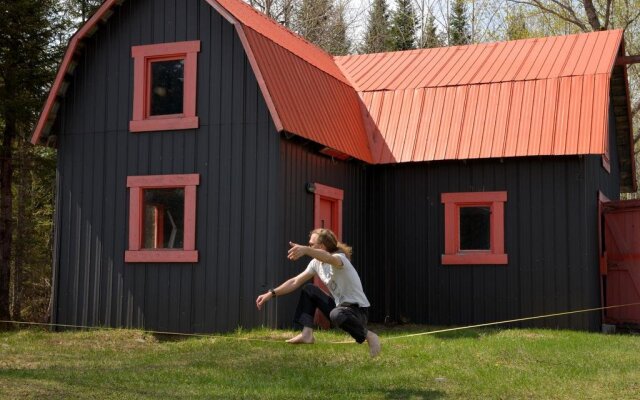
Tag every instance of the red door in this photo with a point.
(622, 260)
(328, 215)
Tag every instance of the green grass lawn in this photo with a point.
(469, 364)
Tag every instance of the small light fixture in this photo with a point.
(311, 188)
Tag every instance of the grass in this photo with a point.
(470, 364)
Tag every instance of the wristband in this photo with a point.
(273, 292)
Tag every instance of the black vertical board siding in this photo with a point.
(544, 244)
(523, 240)
(171, 20)
(560, 225)
(513, 251)
(547, 201)
(252, 200)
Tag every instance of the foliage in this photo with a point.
(80, 11)
(403, 26)
(377, 38)
(323, 23)
(517, 26)
(471, 364)
(459, 25)
(339, 42)
(430, 36)
(28, 56)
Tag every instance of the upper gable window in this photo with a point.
(164, 89)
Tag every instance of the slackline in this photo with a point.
(204, 335)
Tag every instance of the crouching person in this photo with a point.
(347, 307)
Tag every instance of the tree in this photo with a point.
(313, 19)
(517, 26)
(403, 26)
(281, 11)
(27, 62)
(80, 10)
(377, 33)
(339, 43)
(430, 37)
(458, 25)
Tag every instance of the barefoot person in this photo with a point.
(348, 308)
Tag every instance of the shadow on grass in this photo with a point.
(410, 394)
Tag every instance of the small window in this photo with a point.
(164, 90)
(163, 223)
(474, 228)
(162, 210)
(167, 88)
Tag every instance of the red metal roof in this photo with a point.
(546, 96)
(533, 97)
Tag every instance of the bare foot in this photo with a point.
(302, 339)
(374, 344)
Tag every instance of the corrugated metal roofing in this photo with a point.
(546, 96)
(533, 97)
(310, 102)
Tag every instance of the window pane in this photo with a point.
(163, 219)
(475, 228)
(167, 87)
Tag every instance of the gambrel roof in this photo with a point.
(533, 97)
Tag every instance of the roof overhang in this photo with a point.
(621, 105)
(66, 69)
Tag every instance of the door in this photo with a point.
(622, 260)
(328, 215)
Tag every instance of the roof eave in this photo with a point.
(47, 116)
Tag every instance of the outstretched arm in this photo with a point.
(287, 287)
(297, 250)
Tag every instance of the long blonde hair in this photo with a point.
(329, 240)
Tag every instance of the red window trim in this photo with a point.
(335, 196)
(143, 56)
(136, 185)
(452, 204)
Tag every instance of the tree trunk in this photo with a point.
(23, 223)
(592, 16)
(6, 206)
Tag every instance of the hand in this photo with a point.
(296, 251)
(263, 298)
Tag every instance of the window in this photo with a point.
(162, 218)
(474, 228)
(164, 86)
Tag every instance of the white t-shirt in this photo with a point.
(343, 283)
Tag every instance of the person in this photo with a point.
(347, 307)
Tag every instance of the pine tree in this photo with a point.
(27, 65)
(458, 25)
(430, 36)
(339, 43)
(517, 26)
(377, 35)
(403, 26)
(313, 20)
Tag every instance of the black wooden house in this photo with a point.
(196, 138)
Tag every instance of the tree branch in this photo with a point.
(538, 4)
(592, 16)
